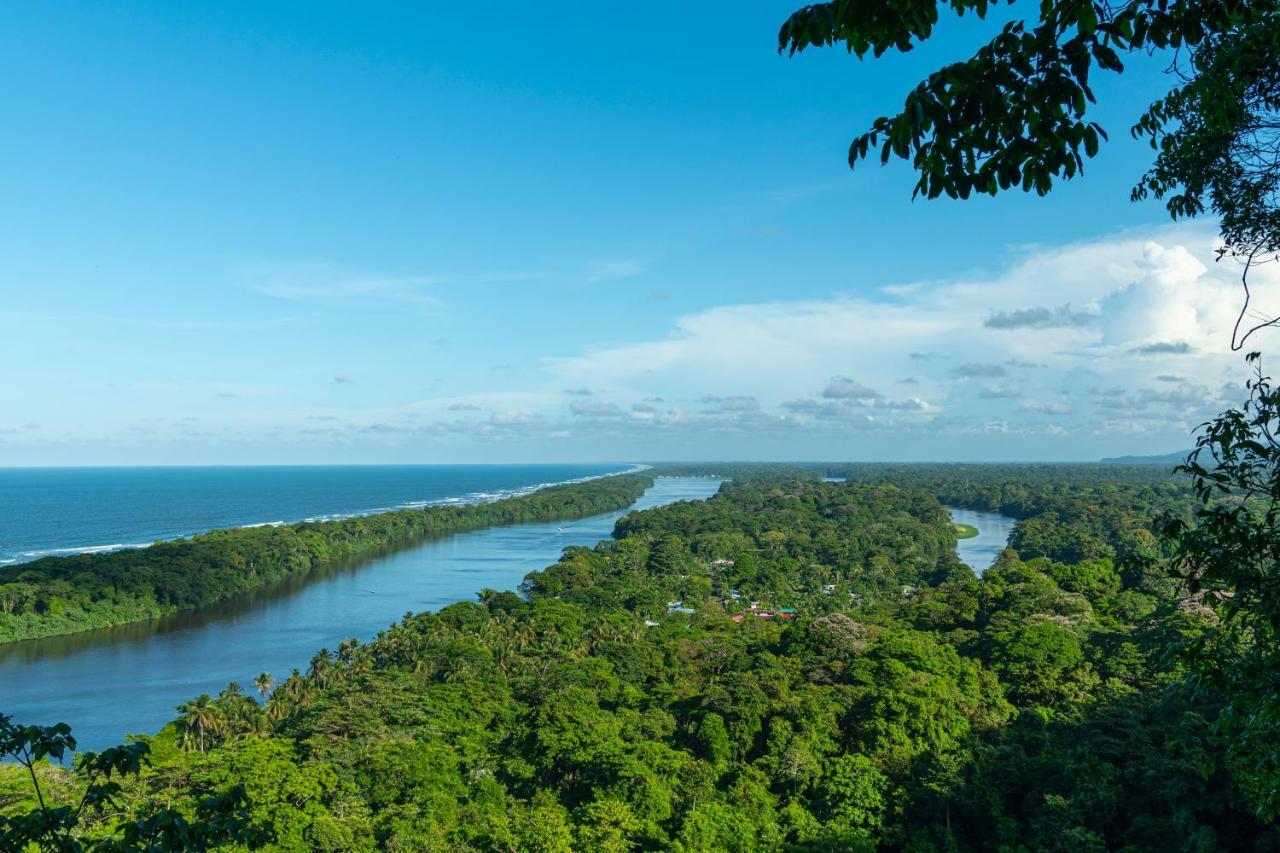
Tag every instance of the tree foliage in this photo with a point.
(1229, 558)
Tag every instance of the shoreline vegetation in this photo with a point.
(55, 596)
(964, 531)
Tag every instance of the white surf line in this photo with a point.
(472, 499)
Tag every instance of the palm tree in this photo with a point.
(321, 663)
(265, 684)
(198, 716)
(347, 650)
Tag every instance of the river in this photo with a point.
(109, 683)
(980, 551)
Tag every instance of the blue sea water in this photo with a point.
(51, 511)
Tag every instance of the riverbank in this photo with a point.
(65, 595)
(113, 682)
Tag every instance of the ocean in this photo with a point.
(56, 511)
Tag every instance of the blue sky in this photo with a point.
(269, 233)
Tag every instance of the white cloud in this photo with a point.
(1144, 306)
(1048, 407)
(322, 284)
(609, 270)
(812, 377)
(515, 417)
(844, 388)
(1038, 318)
(595, 409)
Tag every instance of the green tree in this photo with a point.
(608, 825)
(851, 792)
(265, 684)
(1229, 558)
(1036, 660)
(543, 827)
(713, 739)
(199, 721)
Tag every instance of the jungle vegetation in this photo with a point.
(792, 664)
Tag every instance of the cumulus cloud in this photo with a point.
(515, 417)
(1048, 407)
(911, 404)
(1137, 298)
(1180, 395)
(932, 361)
(1038, 318)
(595, 409)
(738, 403)
(979, 371)
(818, 408)
(844, 388)
(999, 391)
(1164, 348)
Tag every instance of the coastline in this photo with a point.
(60, 595)
(467, 499)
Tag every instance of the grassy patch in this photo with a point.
(964, 531)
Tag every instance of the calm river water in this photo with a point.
(109, 683)
(980, 551)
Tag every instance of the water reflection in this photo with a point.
(980, 551)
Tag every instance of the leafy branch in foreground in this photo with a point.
(1014, 115)
(1229, 558)
(218, 819)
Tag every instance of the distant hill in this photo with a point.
(1174, 458)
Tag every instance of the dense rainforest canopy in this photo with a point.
(792, 664)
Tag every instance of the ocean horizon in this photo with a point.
(59, 511)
